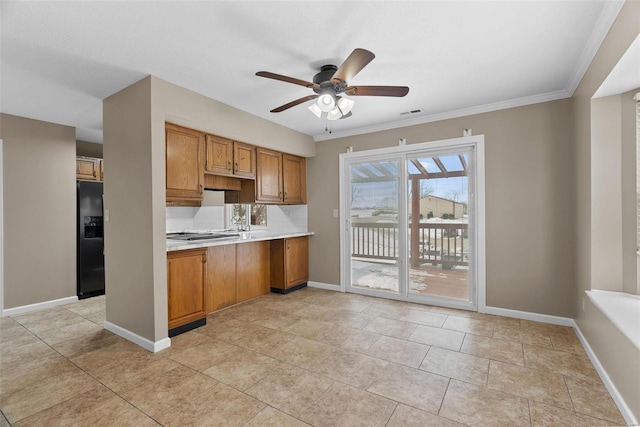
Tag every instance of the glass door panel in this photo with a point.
(375, 240)
(438, 192)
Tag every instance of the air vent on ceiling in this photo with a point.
(416, 111)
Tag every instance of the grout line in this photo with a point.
(446, 390)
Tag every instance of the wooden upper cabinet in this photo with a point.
(280, 178)
(185, 164)
(87, 168)
(231, 158)
(268, 176)
(244, 160)
(294, 175)
(186, 278)
(219, 155)
(101, 169)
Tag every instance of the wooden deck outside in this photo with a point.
(424, 280)
(439, 267)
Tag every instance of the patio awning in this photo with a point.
(427, 167)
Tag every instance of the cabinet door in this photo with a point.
(294, 179)
(244, 158)
(185, 163)
(221, 277)
(296, 261)
(101, 169)
(269, 176)
(252, 269)
(86, 168)
(186, 275)
(219, 155)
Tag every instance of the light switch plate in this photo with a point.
(335, 213)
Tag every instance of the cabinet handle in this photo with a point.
(229, 165)
(95, 173)
(236, 169)
(201, 188)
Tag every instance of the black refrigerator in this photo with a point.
(90, 248)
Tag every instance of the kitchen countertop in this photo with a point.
(245, 237)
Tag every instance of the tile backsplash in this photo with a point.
(279, 218)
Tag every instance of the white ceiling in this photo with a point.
(60, 59)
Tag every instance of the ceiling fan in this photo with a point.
(331, 82)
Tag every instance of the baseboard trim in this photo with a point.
(149, 345)
(37, 306)
(288, 290)
(566, 321)
(613, 391)
(320, 285)
(525, 315)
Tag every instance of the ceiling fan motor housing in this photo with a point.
(323, 78)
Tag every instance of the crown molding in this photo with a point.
(608, 15)
(502, 105)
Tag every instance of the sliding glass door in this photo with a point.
(410, 232)
(374, 202)
(439, 187)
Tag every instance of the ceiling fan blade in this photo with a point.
(293, 103)
(287, 79)
(358, 59)
(349, 114)
(377, 91)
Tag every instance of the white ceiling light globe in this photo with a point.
(345, 105)
(326, 102)
(334, 114)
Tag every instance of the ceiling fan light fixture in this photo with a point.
(345, 105)
(334, 114)
(326, 102)
(315, 109)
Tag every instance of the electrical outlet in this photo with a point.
(335, 213)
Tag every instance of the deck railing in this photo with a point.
(438, 243)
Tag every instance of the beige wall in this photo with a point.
(134, 150)
(39, 211)
(606, 194)
(128, 190)
(628, 193)
(89, 149)
(613, 193)
(618, 357)
(529, 193)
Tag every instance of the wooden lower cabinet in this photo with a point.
(221, 277)
(252, 269)
(289, 263)
(236, 273)
(186, 277)
(201, 281)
